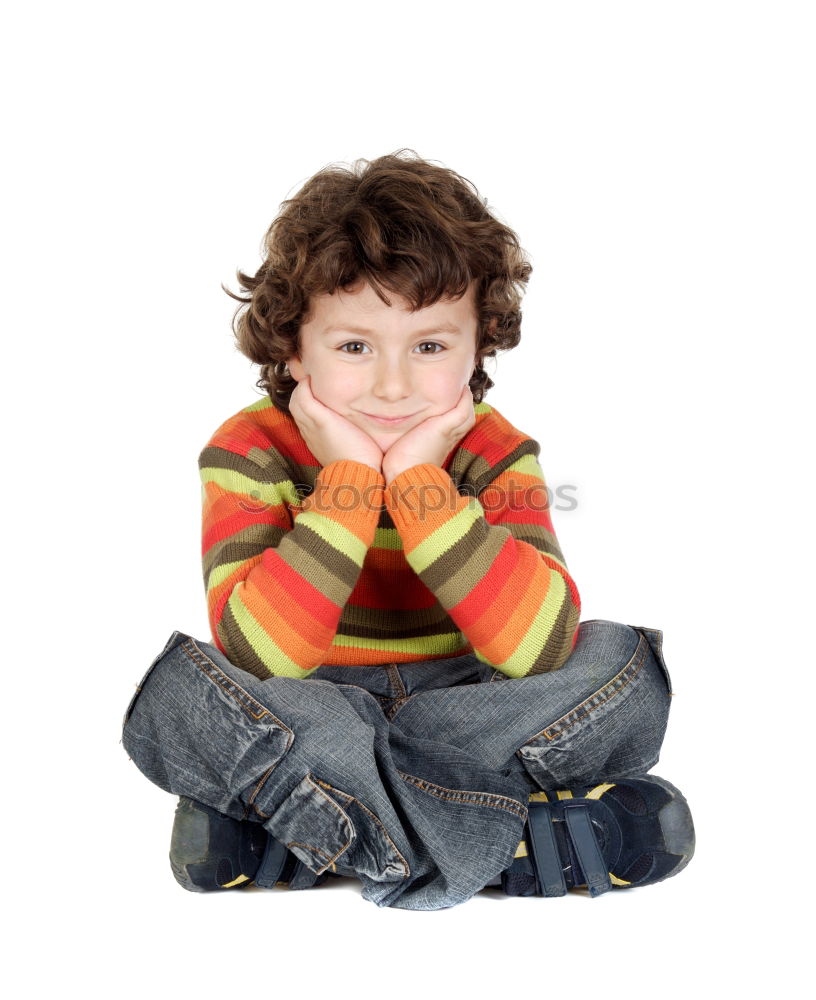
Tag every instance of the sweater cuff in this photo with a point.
(422, 498)
(347, 490)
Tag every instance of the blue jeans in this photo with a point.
(412, 777)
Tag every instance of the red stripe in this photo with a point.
(573, 590)
(480, 598)
(300, 589)
(224, 528)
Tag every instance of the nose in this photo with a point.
(392, 381)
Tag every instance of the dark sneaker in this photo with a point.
(210, 851)
(616, 835)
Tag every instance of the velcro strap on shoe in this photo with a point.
(272, 864)
(586, 848)
(547, 860)
(303, 877)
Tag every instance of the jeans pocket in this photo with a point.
(321, 824)
(312, 825)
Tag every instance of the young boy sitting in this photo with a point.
(399, 687)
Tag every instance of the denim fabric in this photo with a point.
(412, 777)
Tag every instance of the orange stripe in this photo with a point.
(523, 600)
(289, 631)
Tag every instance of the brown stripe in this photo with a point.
(557, 647)
(329, 571)
(373, 623)
(241, 546)
(454, 575)
(474, 473)
(239, 651)
(334, 577)
(335, 564)
(219, 458)
(302, 476)
(443, 571)
(538, 537)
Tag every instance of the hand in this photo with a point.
(329, 436)
(432, 440)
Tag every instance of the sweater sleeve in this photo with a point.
(493, 562)
(278, 573)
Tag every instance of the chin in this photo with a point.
(384, 441)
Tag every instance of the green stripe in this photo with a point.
(236, 482)
(527, 464)
(445, 536)
(441, 642)
(387, 538)
(335, 534)
(529, 649)
(265, 647)
(220, 573)
(262, 404)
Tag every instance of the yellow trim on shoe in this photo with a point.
(598, 791)
(565, 793)
(235, 881)
(617, 881)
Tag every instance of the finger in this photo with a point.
(294, 403)
(464, 407)
(310, 403)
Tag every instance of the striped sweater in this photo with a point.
(307, 564)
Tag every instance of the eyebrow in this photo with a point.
(364, 331)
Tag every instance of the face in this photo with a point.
(369, 360)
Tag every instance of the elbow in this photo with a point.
(570, 637)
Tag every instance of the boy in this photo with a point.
(399, 688)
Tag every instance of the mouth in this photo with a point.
(389, 421)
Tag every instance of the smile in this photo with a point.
(389, 421)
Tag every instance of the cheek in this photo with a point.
(327, 382)
(446, 387)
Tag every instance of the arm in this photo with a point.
(497, 569)
(278, 574)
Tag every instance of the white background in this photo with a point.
(657, 162)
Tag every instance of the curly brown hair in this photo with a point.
(399, 222)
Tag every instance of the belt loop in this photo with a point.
(396, 681)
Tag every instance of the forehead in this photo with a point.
(361, 310)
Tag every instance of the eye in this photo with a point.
(359, 343)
